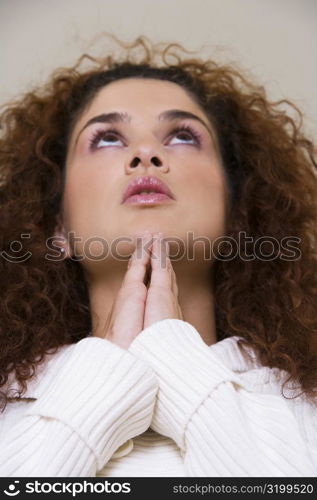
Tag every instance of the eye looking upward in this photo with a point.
(101, 137)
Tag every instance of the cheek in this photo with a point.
(206, 200)
(205, 181)
(85, 194)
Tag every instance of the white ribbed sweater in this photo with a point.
(169, 406)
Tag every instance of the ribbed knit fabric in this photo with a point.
(90, 399)
(212, 412)
(149, 454)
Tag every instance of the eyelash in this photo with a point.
(99, 134)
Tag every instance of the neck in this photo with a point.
(195, 298)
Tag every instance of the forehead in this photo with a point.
(144, 95)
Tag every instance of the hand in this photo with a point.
(162, 294)
(125, 320)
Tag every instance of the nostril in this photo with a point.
(135, 162)
(157, 162)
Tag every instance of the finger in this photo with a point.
(174, 281)
(161, 265)
(139, 259)
(170, 269)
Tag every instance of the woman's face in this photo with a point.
(107, 152)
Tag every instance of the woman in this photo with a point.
(193, 360)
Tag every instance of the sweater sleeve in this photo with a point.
(223, 426)
(92, 398)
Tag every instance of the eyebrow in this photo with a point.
(118, 117)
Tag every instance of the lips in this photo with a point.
(148, 184)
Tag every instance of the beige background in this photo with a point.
(274, 40)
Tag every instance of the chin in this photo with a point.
(152, 228)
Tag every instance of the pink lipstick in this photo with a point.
(147, 191)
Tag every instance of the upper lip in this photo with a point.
(149, 183)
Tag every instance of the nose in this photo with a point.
(146, 156)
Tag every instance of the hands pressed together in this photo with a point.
(139, 305)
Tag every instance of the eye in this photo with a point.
(104, 138)
(185, 134)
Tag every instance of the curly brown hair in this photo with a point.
(271, 167)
